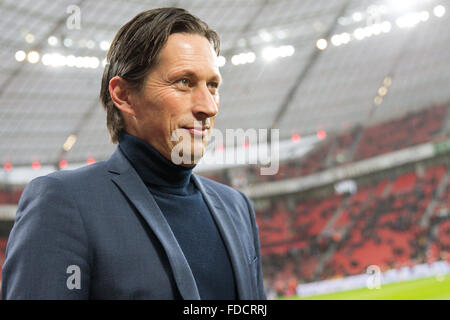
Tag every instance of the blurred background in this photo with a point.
(358, 89)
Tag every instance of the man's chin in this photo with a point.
(191, 156)
(192, 161)
(188, 165)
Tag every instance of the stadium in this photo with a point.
(352, 98)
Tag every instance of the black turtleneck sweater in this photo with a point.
(188, 216)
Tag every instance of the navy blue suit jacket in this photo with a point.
(103, 220)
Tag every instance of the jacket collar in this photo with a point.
(127, 179)
(223, 219)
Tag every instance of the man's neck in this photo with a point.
(153, 168)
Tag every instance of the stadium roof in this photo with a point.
(380, 59)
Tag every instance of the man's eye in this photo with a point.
(184, 82)
(214, 85)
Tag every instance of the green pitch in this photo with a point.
(423, 289)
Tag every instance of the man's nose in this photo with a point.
(205, 104)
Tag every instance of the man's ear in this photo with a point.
(120, 93)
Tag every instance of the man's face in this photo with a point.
(180, 94)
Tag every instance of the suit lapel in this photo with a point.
(127, 179)
(239, 259)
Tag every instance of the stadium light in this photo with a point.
(269, 54)
(70, 61)
(368, 32)
(439, 11)
(295, 138)
(33, 57)
(424, 16)
(63, 164)
(402, 5)
(321, 44)
(336, 40)
(376, 29)
(272, 53)
(90, 44)
(8, 166)
(236, 60)
(58, 60)
(54, 60)
(68, 42)
(359, 34)
(29, 38)
(221, 61)
(266, 36)
(409, 20)
(52, 40)
(387, 81)
(251, 57)
(357, 16)
(286, 51)
(378, 100)
(104, 45)
(94, 62)
(321, 134)
(70, 141)
(243, 58)
(382, 91)
(20, 55)
(345, 38)
(36, 165)
(339, 39)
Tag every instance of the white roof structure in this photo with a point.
(278, 78)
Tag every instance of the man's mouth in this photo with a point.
(197, 131)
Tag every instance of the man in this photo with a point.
(140, 226)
